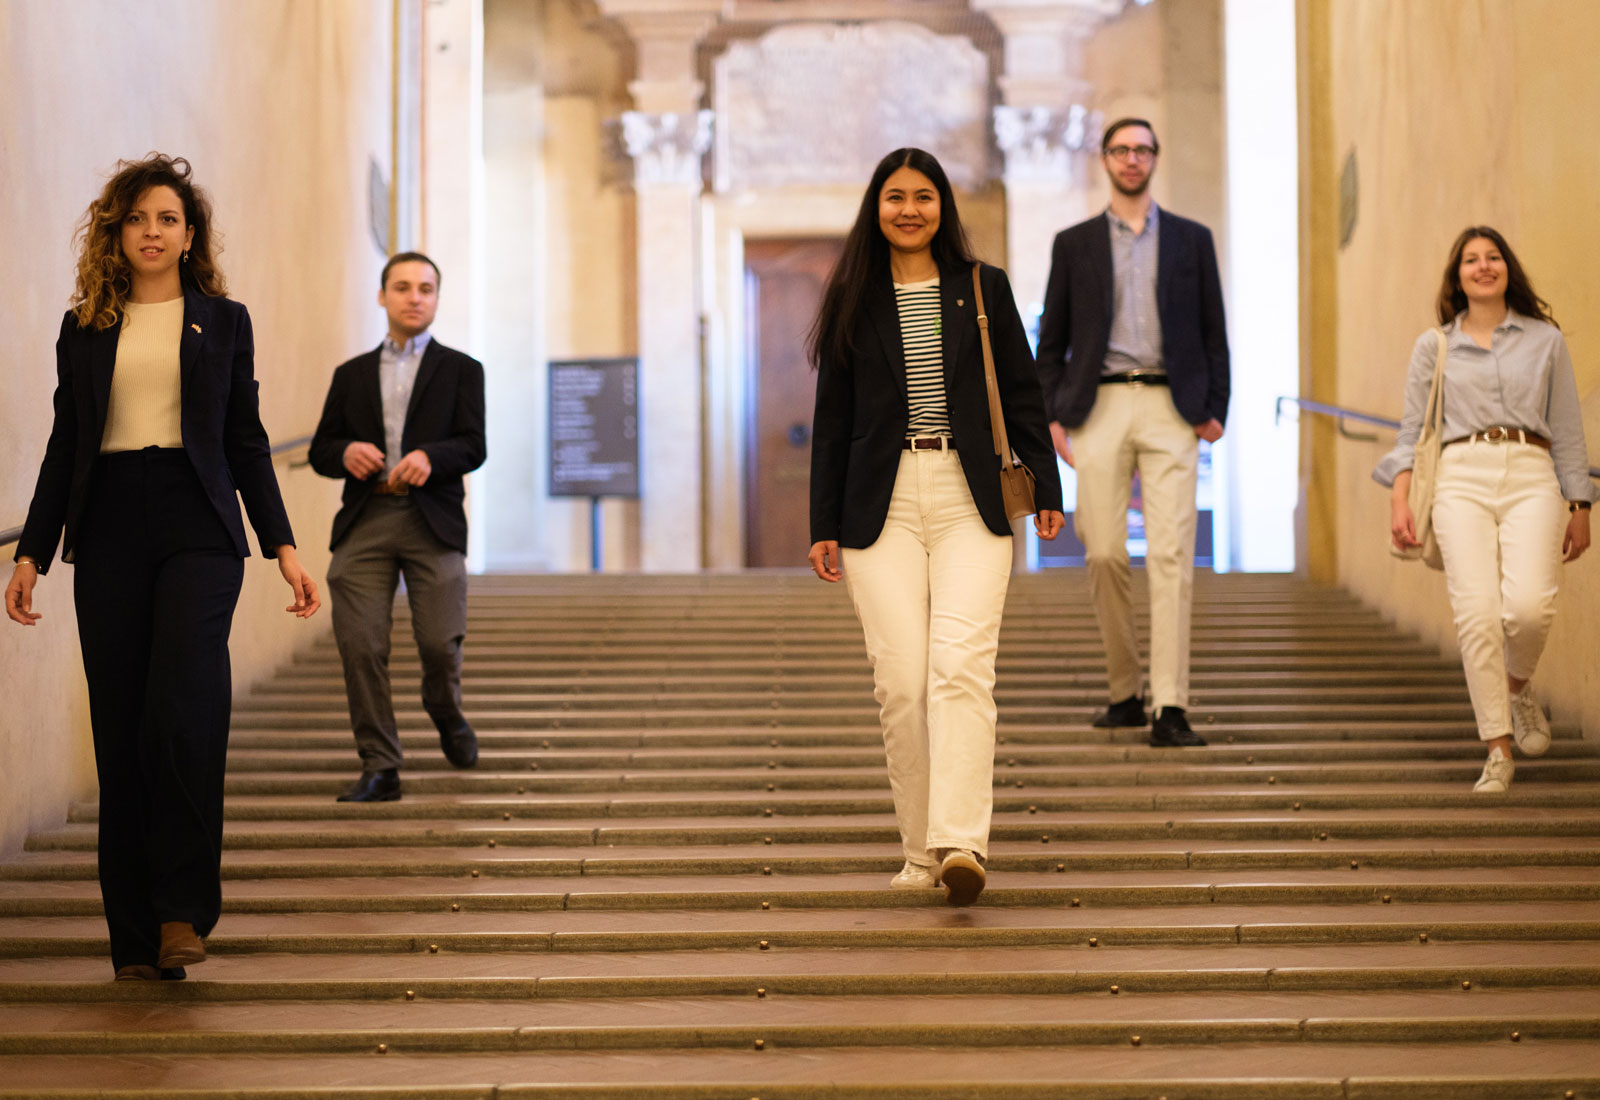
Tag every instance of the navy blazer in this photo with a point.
(1075, 328)
(221, 423)
(444, 420)
(859, 427)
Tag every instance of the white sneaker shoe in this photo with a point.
(1496, 777)
(914, 876)
(962, 875)
(1528, 723)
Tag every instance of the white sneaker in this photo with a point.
(914, 876)
(962, 875)
(1496, 777)
(1528, 723)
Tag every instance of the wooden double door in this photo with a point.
(783, 287)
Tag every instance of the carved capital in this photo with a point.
(1044, 144)
(666, 148)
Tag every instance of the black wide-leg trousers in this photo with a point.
(156, 580)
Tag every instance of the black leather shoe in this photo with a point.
(1128, 713)
(1171, 730)
(459, 743)
(382, 786)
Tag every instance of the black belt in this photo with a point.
(929, 443)
(1136, 378)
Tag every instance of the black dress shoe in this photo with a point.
(459, 743)
(382, 786)
(1171, 730)
(1128, 713)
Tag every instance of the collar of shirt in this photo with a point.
(1118, 223)
(414, 346)
(1457, 337)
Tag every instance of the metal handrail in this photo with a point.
(1350, 414)
(299, 442)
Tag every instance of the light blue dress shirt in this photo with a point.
(1135, 339)
(1523, 379)
(397, 373)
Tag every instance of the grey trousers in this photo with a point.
(389, 539)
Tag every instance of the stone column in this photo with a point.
(1047, 129)
(667, 134)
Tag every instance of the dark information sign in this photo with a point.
(594, 428)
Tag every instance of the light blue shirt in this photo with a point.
(397, 373)
(1135, 340)
(1523, 379)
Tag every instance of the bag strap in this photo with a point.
(1434, 417)
(997, 420)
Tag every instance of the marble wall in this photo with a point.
(1458, 113)
(280, 107)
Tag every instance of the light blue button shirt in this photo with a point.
(1523, 379)
(397, 373)
(1135, 339)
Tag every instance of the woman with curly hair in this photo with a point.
(156, 437)
(1511, 494)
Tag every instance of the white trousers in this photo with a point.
(929, 593)
(1133, 427)
(1499, 517)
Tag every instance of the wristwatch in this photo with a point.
(1574, 505)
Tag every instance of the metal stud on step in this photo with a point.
(766, 870)
(761, 1044)
(433, 949)
(764, 945)
(1094, 941)
(491, 842)
(455, 907)
(1466, 985)
(761, 991)
(383, 1048)
(1045, 839)
(1114, 989)
(772, 786)
(1387, 899)
(1075, 901)
(1354, 865)
(1516, 1036)
(766, 840)
(1272, 779)
(1422, 937)
(522, 790)
(767, 812)
(1249, 760)
(506, 816)
(772, 765)
(1019, 784)
(1060, 867)
(1135, 1040)
(1033, 809)
(534, 766)
(411, 994)
(766, 905)
(1297, 805)
(474, 872)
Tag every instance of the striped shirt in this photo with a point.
(921, 335)
(1135, 322)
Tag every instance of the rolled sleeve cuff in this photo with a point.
(1395, 463)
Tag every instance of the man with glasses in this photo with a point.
(1133, 358)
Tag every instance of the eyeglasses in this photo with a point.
(1131, 152)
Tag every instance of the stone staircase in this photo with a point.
(667, 878)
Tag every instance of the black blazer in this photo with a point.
(861, 413)
(1076, 326)
(222, 431)
(444, 420)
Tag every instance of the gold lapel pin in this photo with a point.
(960, 302)
(194, 326)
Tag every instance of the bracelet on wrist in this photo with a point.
(1574, 505)
(29, 561)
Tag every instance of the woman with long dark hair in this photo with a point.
(906, 504)
(156, 437)
(1512, 493)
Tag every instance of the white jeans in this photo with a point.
(929, 593)
(1499, 517)
(1137, 427)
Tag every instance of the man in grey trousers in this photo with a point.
(402, 426)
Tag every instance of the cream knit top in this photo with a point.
(146, 386)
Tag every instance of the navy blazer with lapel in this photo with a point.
(1075, 328)
(221, 424)
(859, 426)
(444, 419)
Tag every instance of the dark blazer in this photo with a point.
(1076, 326)
(444, 420)
(222, 431)
(861, 413)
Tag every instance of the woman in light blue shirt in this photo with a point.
(1513, 493)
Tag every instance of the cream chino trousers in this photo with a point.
(1499, 517)
(1134, 427)
(929, 593)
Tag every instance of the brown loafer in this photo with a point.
(179, 945)
(138, 974)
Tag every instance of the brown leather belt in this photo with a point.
(1499, 434)
(929, 443)
(384, 489)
